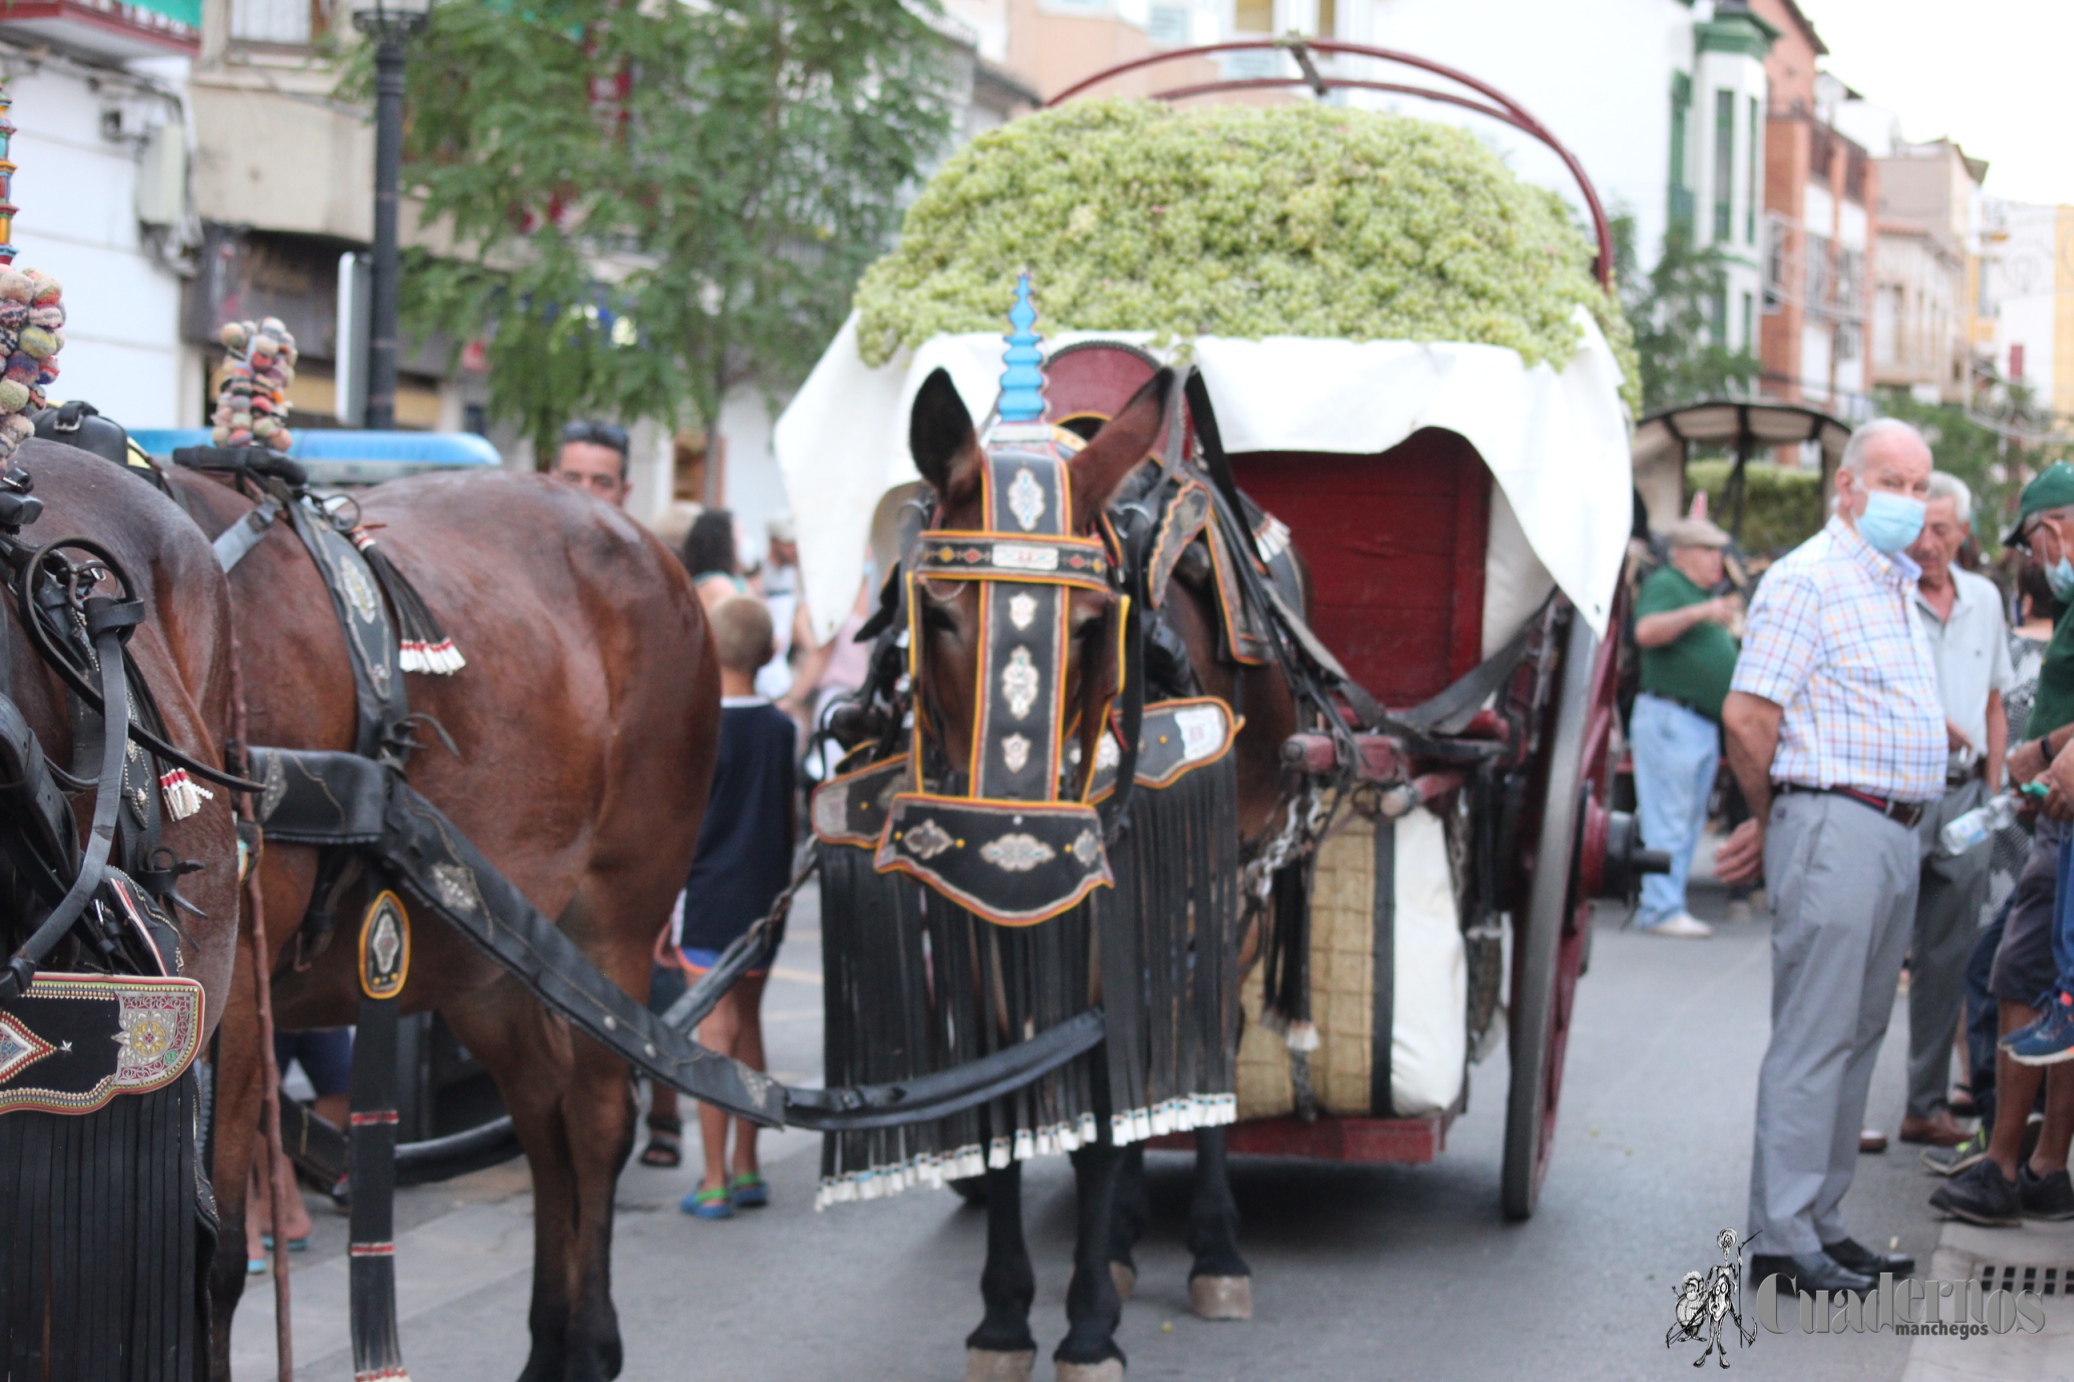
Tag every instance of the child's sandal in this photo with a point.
(665, 1141)
(750, 1191)
(715, 1203)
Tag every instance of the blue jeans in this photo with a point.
(2063, 919)
(1676, 754)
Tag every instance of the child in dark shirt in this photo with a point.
(744, 861)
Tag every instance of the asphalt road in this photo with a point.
(1361, 1272)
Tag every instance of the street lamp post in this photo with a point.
(389, 25)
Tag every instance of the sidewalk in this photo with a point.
(2006, 1257)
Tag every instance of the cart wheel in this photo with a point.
(1549, 951)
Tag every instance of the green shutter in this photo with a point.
(188, 12)
(1681, 195)
(1724, 165)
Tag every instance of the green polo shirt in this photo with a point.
(1696, 666)
(2053, 703)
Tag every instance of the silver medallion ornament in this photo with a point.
(1021, 610)
(928, 840)
(1019, 683)
(1015, 752)
(1086, 848)
(1026, 499)
(1017, 853)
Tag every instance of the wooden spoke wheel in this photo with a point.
(1571, 867)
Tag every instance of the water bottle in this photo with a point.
(1973, 829)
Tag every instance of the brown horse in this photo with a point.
(948, 456)
(585, 725)
(183, 649)
(182, 652)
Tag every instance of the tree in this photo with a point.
(1675, 313)
(654, 203)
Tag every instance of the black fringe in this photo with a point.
(426, 646)
(914, 984)
(103, 1237)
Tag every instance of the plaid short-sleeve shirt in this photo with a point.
(1831, 638)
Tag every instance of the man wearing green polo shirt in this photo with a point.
(1688, 659)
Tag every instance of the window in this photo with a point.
(1168, 24)
(1724, 164)
(1328, 19)
(1253, 16)
(1755, 193)
(1850, 281)
(271, 21)
(1681, 195)
(1750, 323)
(1775, 253)
(1717, 319)
(1817, 291)
(1847, 341)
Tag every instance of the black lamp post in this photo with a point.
(389, 25)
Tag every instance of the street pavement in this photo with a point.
(1361, 1272)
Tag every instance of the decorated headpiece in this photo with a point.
(1013, 848)
(252, 398)
(32, 314)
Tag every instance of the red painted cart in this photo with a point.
(1400, 550)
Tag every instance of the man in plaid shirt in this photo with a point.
(1837, 737)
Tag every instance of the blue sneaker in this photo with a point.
(2050, 1039)
(708, 1204)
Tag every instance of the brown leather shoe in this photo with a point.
(1871, 1141)
(1940, 1129)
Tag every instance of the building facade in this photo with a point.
(1821, 189)
(99, 101)
(2027, 290)
(1926, 270)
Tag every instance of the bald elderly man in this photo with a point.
(1837, 737)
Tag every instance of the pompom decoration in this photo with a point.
(252, 399)
(30, 314)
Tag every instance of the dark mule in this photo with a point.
(104, 1209)
(585, 726)
(949, 457)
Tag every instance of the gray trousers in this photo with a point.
(1842, 883)
(1948, 907)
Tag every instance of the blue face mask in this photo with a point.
(2060, 576)
(1890, 521)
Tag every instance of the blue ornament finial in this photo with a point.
(1022, 383)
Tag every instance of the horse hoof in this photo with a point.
(1125, 1278)
(1108, 1370)
(1221, 1297)
(988, 1365)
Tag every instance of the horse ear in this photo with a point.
(1119, 448)
(940, 436)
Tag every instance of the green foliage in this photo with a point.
(1671, 314)
(1781, 508)
(1974, 453)
(1303, 219)
(653, 204)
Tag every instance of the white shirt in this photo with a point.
(1971, 651)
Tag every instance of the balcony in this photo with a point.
(107, 29)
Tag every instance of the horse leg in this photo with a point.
(1002, 1348)
(1133, 1213)
(531, 1056)
(1220, 1284)
(1089, 1353)
(598, 1115)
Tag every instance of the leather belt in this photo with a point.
(1905, 814)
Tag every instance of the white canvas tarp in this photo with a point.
(1556, 441)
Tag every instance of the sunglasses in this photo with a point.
(597, 434)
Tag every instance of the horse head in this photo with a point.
(1015, 618)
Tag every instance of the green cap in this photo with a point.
(2053, 489)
